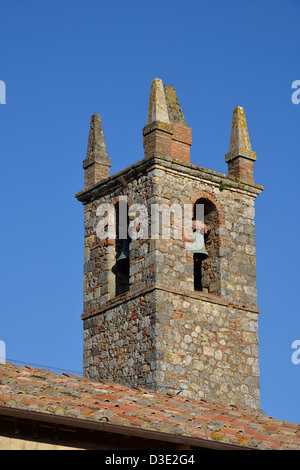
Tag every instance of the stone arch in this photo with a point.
(207, 270)
(212, 198)
(122, 245)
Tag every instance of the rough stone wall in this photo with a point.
(235, 267)
(100, 255)
(120, 345)
(162, 333)
(208, 350)
(178, 343)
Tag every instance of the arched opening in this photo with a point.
(206, 249)
(122, 243)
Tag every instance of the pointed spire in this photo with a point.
(166, 132)
(96, 144)
(240, 157)
(240, 142)
(157, 110)
(174, 109)
(97, 163)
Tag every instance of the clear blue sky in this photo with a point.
(62, 61)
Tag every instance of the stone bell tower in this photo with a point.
(157, 313)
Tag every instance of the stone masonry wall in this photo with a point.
(235, 266)
(119, 344)
(162, 333)
(209, 350)
(170, 341)
(100, 255)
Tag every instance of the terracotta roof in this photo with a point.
(31, 389)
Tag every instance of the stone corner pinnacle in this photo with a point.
(96, 150)
(240, 145)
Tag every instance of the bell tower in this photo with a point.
(170, 267)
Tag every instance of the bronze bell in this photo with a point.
(199, 244)
(124, 255)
